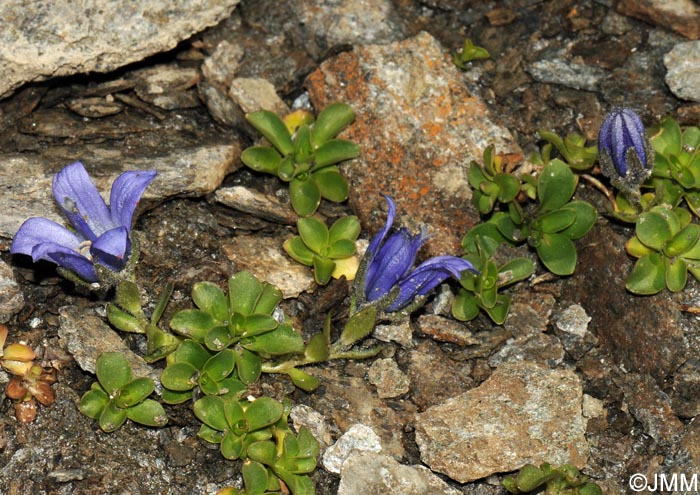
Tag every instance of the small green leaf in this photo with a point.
(129, 298)
(134, 392)
(308, 445)
(345, 228)
(683, 241)
(193, 323)
(676, 274)
(332, 119)
(93, 402)
(220, 365)
(218, 338)
(667, 140)
(323, 268)
(358, 326)
(648, 275)
(635, 248)
(302, 145)
(585, 219)
(555, 186)
(303, 380)
(172, 397)
(487, 231)
(342, 248)
(334, 151)
(274, 130)
(211, 299)
(283, 340)
(555, 221)
(498, 312)
(298, 251)
(530, 477)
(263, 412)
(123, 320)
(190, 352)
(255, 476)
(317, 350)
(314, 233)
(262, 452)
(243, 291)
(149, 413)
(179, 377)
(258, 324)
(654, 228)
(210, 411)
(262, 159)
(465, 307)
(557, 253)
(113, 371)
(508, 187)
(515, 270)
(249, 366)
(112, 417)
(331, 184)
(231, 446)
(305, 195)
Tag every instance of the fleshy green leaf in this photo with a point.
(93, 402)
(123, 320)
(557, 253)
(113, 371)
(220, 365)
(358, 326)
(231, 446)
(332, 119)
(331, 184)
(283, 340)
(515, 270)
(305, 195)
(648, 275)
(193, 323)
(347, 228)
(262, 159)
(465, 307)
(263, 412)
(262, 452)
(314, 233)
(303, 380)
(255, 476)
(274, 130)
(585, 219)
(334, 151)
(342, 248)
(508, 187)
(128, 297)
(149, 413)
(112, 417)
(248, 365)
(323, 268)
(556, 221)
(555, 186)
(134, 392)
(683, 241)
(210, 411)
(298, 251)
(654, 228)
(676, 274)
(211, 299)
(179, 377)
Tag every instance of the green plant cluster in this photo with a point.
(564, 480)
(665, 242)
(306, 158)
(536, 210)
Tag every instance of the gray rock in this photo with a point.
(358, 438)
(682, 16)
(522, 414)
(265, 258)
(11, 297)
(86, 335)
(48, 39)
(257, 204)
(388, 378)
(253, 94)
(540, 348)
(564, 73)
(683, 70)
(351, 21)
(221, 65)
(191, 171)
(302, 415)
(399, 332)
(377, 474)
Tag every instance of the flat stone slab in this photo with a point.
(41, 40)
(523, 414)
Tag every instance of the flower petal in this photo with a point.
(374, 244)
(126, 193)
(426, 277)
(112, 248)
(393, 261)
(66, 258)
(80, 201)
(39, 230)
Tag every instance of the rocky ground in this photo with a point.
(581, 372)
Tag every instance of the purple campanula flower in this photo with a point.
(100, 233)
(624, 152)
(389, 266)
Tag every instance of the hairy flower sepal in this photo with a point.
(117, 396)
(321, 247)
(306, 159)
(667, 246)
(99, 250)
